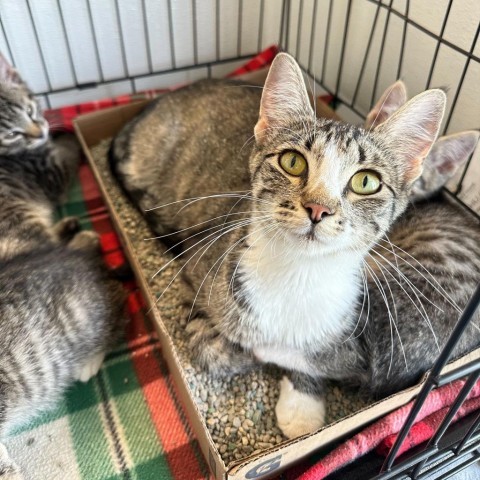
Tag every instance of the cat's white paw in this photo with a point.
(91, 367)
(298, 413)
(8, 469)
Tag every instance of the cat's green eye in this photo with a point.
(293, 163)
(365, 182)
(30, 110)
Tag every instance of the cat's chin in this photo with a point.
(315, 244)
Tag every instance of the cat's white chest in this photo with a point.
(299, 302)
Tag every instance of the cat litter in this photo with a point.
(239, 412)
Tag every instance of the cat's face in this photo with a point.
(330, 186)
(342, 169)
(22, 126)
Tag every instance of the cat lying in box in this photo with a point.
(282, 219)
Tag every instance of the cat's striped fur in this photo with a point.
(59, 309)
(266, 285)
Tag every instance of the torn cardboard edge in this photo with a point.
(94, 127)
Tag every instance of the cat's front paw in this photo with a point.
(298, 413)
(214, 353)
(209, 351)
(91, 367)
(67, 228)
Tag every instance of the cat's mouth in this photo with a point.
(310, 235)
(37, 142)
(314, 235)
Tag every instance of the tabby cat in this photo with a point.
(60, 312)
(275, 265)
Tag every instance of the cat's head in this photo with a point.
(447, 155)
(330, 186)
(22, 126)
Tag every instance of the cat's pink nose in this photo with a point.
(317, 212)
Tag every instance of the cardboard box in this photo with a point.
(91, 129)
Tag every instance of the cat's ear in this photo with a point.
(449, 153)
(284, 96)
(411, 131)
(391, 100)
(7, 73)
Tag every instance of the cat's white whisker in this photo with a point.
(203, 223)
(365, 285)
(218, 228)
(392, 321)
(247, 222)
(192, 246)
(188, 199)
(232, 280)
(219, 266)
(393, 252)
(235, 204)
(242, 197)
(440, 290)
(213, 266)
(423, 314)
(365, 289)
(414, 289)
(404, 277)
(234, 194)
(228, 230)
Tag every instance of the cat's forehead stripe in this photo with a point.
(309, 141)
(361, 154)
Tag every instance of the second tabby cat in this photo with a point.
(60, 311)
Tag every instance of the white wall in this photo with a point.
(120, 44)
